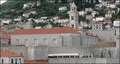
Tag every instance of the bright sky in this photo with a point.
(2, 1)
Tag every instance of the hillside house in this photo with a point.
(28, 5)
(111, 5)
(89, 16)
(97, 26)
(63, 8)
(4, 20)
(56, 17)
(33, 12)
(40, 20)
(100, 18)
(107, 26)
(94, 13)
(98, 6)
(26, 14)
(13, 10)
(107, 21)
(62, 20)
(116, 22)
(108, 15)
(111, 11)
(88, 9)
(117, 2)
(82, 13)
(65, 23)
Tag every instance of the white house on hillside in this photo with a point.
(108, 15)
(94, 13)
(107, 21)
(111, 11)
(33, 12)
(26, 14)
(39, 20)
(56, 17)
(62, 20)
(82, 12)
(11, 57)
(6, 20)
(116, 22)
(100, 18)
(64, 8)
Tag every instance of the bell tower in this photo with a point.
(73, 16)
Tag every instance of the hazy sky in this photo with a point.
(2, 1)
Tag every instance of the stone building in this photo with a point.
(65, 36)
(73, 16)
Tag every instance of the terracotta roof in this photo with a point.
(65, 29)
(116, 26)
(117, 19)
(100, 17)
(107, 21)
(40, 19)
(105, 44)
(90, 34)
(5, 36)
(35, 61)
(65, 23)
(108, 25)
(82, 11)
(62, 6)
(97, 22)
(112, 3)
(108, 13)
(8, 53)
(2, 30)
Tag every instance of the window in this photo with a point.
(72, 26)
(20, 61)
(54, 41)
(72, 17)
(2, 60)
(35, 41)
(26, 41)
(17, 41)
(45, 41)
(15, 61)
(11, 60)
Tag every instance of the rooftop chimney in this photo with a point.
(21, 54)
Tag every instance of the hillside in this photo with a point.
(45, 9)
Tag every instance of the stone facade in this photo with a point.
(61, 39)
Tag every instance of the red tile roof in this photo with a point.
(5, 36)
(107, 21)
(97, 23)
(35, 61)
(108, 13)
(65, 29)
(82, 11)
(8, 53)
(90, 34)
(117, 19)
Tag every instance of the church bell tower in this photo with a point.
(73, 16)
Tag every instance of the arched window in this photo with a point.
(45, 41)
(26, 41)
(17, 42)
(35, 41)
(54, 42)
